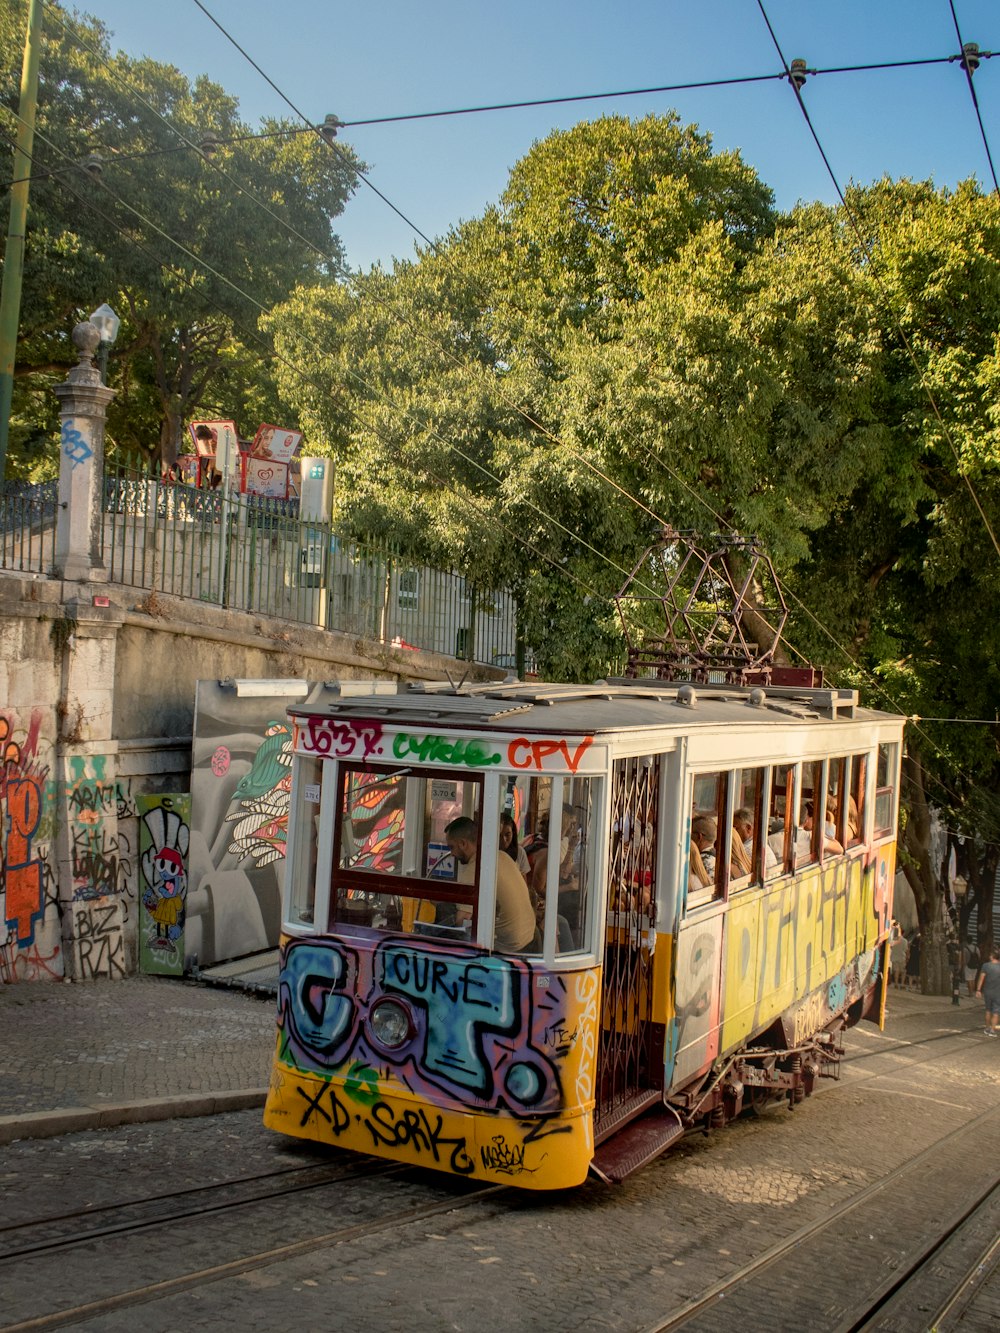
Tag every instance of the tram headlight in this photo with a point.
(391, 1024)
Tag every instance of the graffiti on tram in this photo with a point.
(487, 1034)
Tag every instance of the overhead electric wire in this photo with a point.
(302, 116)
(174, 129)
(633, 499)
(608, 480)
(202, 266)
(796, 88)
(969, 70)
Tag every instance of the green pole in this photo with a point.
(10, 289)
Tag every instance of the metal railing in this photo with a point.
(28, 527)
(249, 553)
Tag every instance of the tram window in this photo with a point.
(576, 858)
(807, 824)
(308, 784)
(859, 783)
(781, 820)
(843, 801)
(748, 832)
(707, 837)
(885, 791)
(393, 867)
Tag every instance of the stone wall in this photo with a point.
(96, 711)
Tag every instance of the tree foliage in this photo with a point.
(633, 335)
(189, 243)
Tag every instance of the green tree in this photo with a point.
(255, 212)
(478, 398)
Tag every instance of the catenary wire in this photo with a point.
(586, 462)
(582, 459)
(796, 88)
(969, 68)
(302, 116)
(516, 407)
(625, 493)
(202, 266)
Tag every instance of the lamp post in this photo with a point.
(107, 324)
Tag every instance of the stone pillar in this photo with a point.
(84, 401)
(93, 864)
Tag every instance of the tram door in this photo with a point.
(630, 1057)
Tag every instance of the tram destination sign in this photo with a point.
(361, 739)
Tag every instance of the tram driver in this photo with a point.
(515, 916)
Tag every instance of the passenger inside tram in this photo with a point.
(702, 868)
(515, 916)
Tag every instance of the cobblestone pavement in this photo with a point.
(590, 1259)
(74, 1055)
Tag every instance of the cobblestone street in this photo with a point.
(596, 1258)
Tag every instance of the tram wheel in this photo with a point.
(761, 1100)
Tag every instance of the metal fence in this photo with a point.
(249, 553)
(28, 527)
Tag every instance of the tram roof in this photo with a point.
(606, 706)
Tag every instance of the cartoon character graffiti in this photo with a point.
(165, 878)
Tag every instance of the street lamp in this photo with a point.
(107, 323)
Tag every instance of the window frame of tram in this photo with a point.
(780, 844)
(442, 898)
(886, 795)
(562, 881)
(304, 833)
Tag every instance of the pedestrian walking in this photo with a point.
(899, 948)
(988, 987)
(971, 966)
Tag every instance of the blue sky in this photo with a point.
(387, 57)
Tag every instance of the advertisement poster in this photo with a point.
(275, 444)
(266, 478)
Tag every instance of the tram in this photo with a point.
(711, 897)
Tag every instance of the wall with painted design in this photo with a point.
(164, 837)
(96, 711)
(504, 1049)
(30, 923)
(240, 785)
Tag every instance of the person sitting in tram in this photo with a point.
(702, 869)
(743, 829)
(803, 843)
(515, 917)
(569, 882)
(508, 844)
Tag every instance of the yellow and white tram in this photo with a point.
(672, 979)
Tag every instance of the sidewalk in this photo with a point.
(98, 1053)
(92, 1054)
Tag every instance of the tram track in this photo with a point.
(146, 1293)
(818, 1248)
(126, 1221)
(968, 1244)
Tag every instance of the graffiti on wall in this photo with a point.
(240, 785)
(488, 1034)
(164, 836)
(30, 939)
(98, 939)
(101, 854)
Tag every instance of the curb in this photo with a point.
(71, 1120)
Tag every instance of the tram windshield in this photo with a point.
(406, 851)
(392, 864)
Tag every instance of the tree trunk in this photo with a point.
(926, 880)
